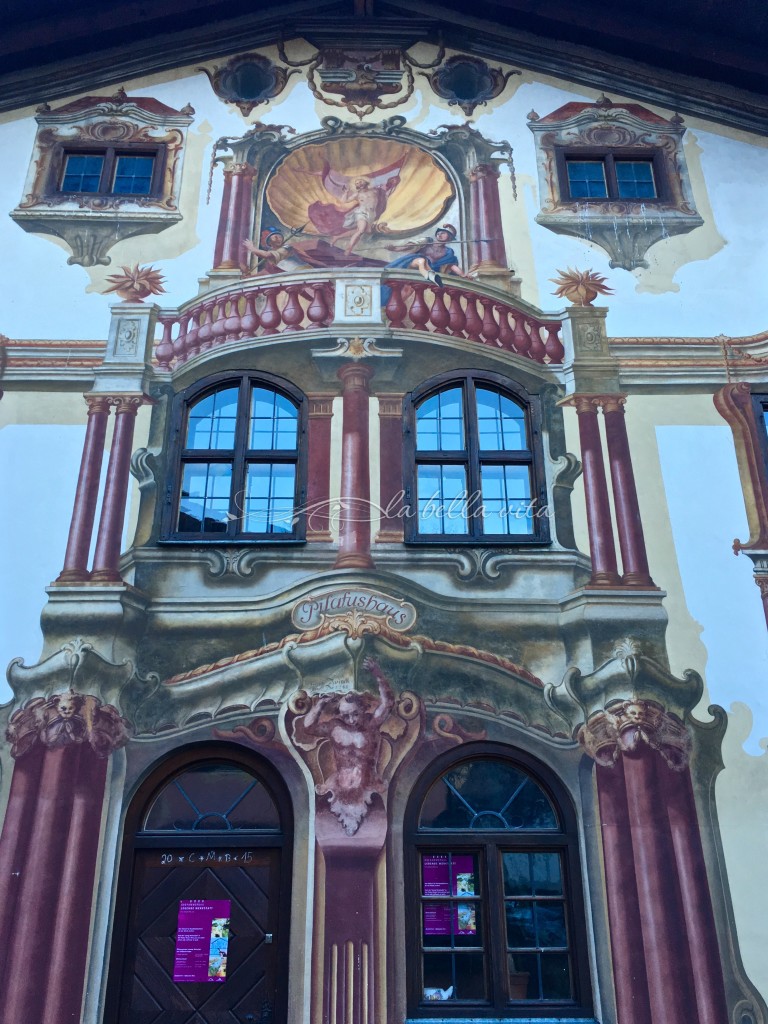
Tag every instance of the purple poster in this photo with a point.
(444, 876)
(202, 940)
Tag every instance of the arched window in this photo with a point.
(497, 926)
(474, 462)
(204, 893)
(240, 470)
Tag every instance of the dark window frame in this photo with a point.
(608, 158)
(110, 153)
(238, 457)
(760, 406)
(533, 457)
(488, 844)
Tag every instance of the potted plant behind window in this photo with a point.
(518, 980)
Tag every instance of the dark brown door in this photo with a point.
(164, 877)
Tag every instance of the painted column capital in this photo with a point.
(355, 376)
(626, 726)
(67, 719)
(628, 677)
(98, 403)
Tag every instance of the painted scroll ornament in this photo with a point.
(353, 742)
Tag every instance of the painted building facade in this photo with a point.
(377, 650)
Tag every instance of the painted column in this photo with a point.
(634, 559)
(632, 1005)
(347, 741)
(599, 524)
(51, 842)
(487, 243)
(319, 469)
(234, 217)
(107, 554)
(658, 895)
(390, 468)
(81, 528)
(355, 513)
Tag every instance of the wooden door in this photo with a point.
(163, 877)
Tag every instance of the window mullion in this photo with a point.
(472, 447)
(237, 525)
(107, 171)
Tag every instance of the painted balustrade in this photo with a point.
(289, 303)
(469, 312)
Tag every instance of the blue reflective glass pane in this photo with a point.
(550, 924)
(586, 179)
(213, 797)
(440, 422)
(82, 173)
(269, 504)
(133, 175)
(274, 421)
(500, 422)
(205, 494)
(488, 794)
(635, 179)
(442, 499)
(506, 494)
(212, 421)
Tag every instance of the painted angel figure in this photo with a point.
(362, 201)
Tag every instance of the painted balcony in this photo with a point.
(294, 304)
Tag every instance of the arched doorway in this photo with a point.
(201, 932)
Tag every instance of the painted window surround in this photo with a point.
(532, 457)
(625, 130)
(238, 455)
(102, 125)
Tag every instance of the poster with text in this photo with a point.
(448, 875)
(202, 941)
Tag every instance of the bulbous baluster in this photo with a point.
(270, 315)
(317, 310)
(193, 344)
(552, 345)
(419, 311)
(396, 308)
(536, 352)
(438, 314)
(457, 320)
(180, 351)
(490, 329)
(249, 321)
(164, 351)
(293, 314)
(506, 334)
(205, 333)
(219, 330)
(522, 339)
(474, 325)
(232, 323)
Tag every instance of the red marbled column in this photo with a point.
(346, 987)
(319, 462)
(487, 242)
(599, 523)
(355, 513)
(631, 983)
(664, 939)
(77, 869)
(234, 217)
(706, 961)
(390, 467)
(634, 559)
(23, 987)
(81, 528)
(107, 554)
(15, 846)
